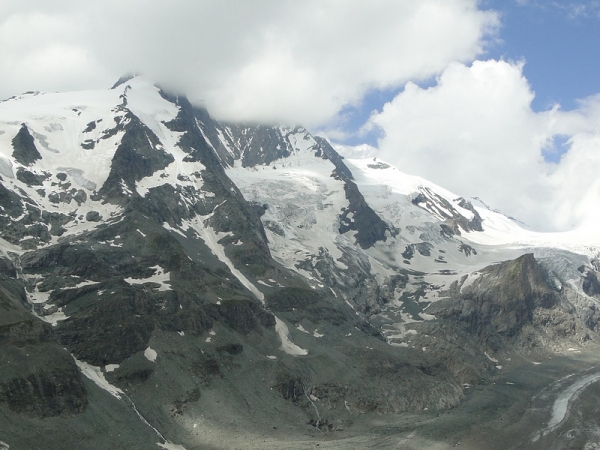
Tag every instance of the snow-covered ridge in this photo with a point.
(57, 122)
(64, 125)
(379, 182)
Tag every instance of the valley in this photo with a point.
(510, 412)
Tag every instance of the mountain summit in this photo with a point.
(164, 275)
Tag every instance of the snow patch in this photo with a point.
(80, 285)
(170, 446)
(494, 360)
(166, 226)
(38, 297)
(160, 277)
(54, 318)
(470, 279)
(286, 344)
(150, 354)
(301, 328)
(95, 374)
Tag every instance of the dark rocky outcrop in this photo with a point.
(93, 216)
(358, 216)
(260, 144)
(591, 285)
(500, 303)
(10, 202)
(454, 221)
(138, 155)
(29, 178)
(41, 381)
(243, 316)
(37, 377)
(424, 249)
(24, 149)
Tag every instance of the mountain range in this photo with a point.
(168, 280)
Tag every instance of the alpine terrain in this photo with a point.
(171, 281)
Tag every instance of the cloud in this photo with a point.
(360, 151)
(476, 134)
(39, 53)
(280, 61)
(573, 10)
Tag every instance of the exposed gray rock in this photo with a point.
(359, 216)
(24, 149)
(41, 381)
(93, 216)
(453, 220)
(137, 156)
(31, 179)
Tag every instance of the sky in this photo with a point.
(498, 99)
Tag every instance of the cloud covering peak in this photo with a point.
(273, 61)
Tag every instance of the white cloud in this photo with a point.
(39, 53)
(476, 134)
(265, 60)
(360, 151)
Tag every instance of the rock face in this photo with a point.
(501, 302)
(38, 377)
(25, 151)
(454, 221)
(170, 266)
(51, 386)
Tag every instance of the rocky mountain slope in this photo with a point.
(161, 271)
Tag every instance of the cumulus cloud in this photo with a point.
(265, 60)
(476, 134)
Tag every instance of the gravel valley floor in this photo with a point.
(512, 412)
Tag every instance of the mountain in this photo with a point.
(171, 281)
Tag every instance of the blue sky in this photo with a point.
(559, 42)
